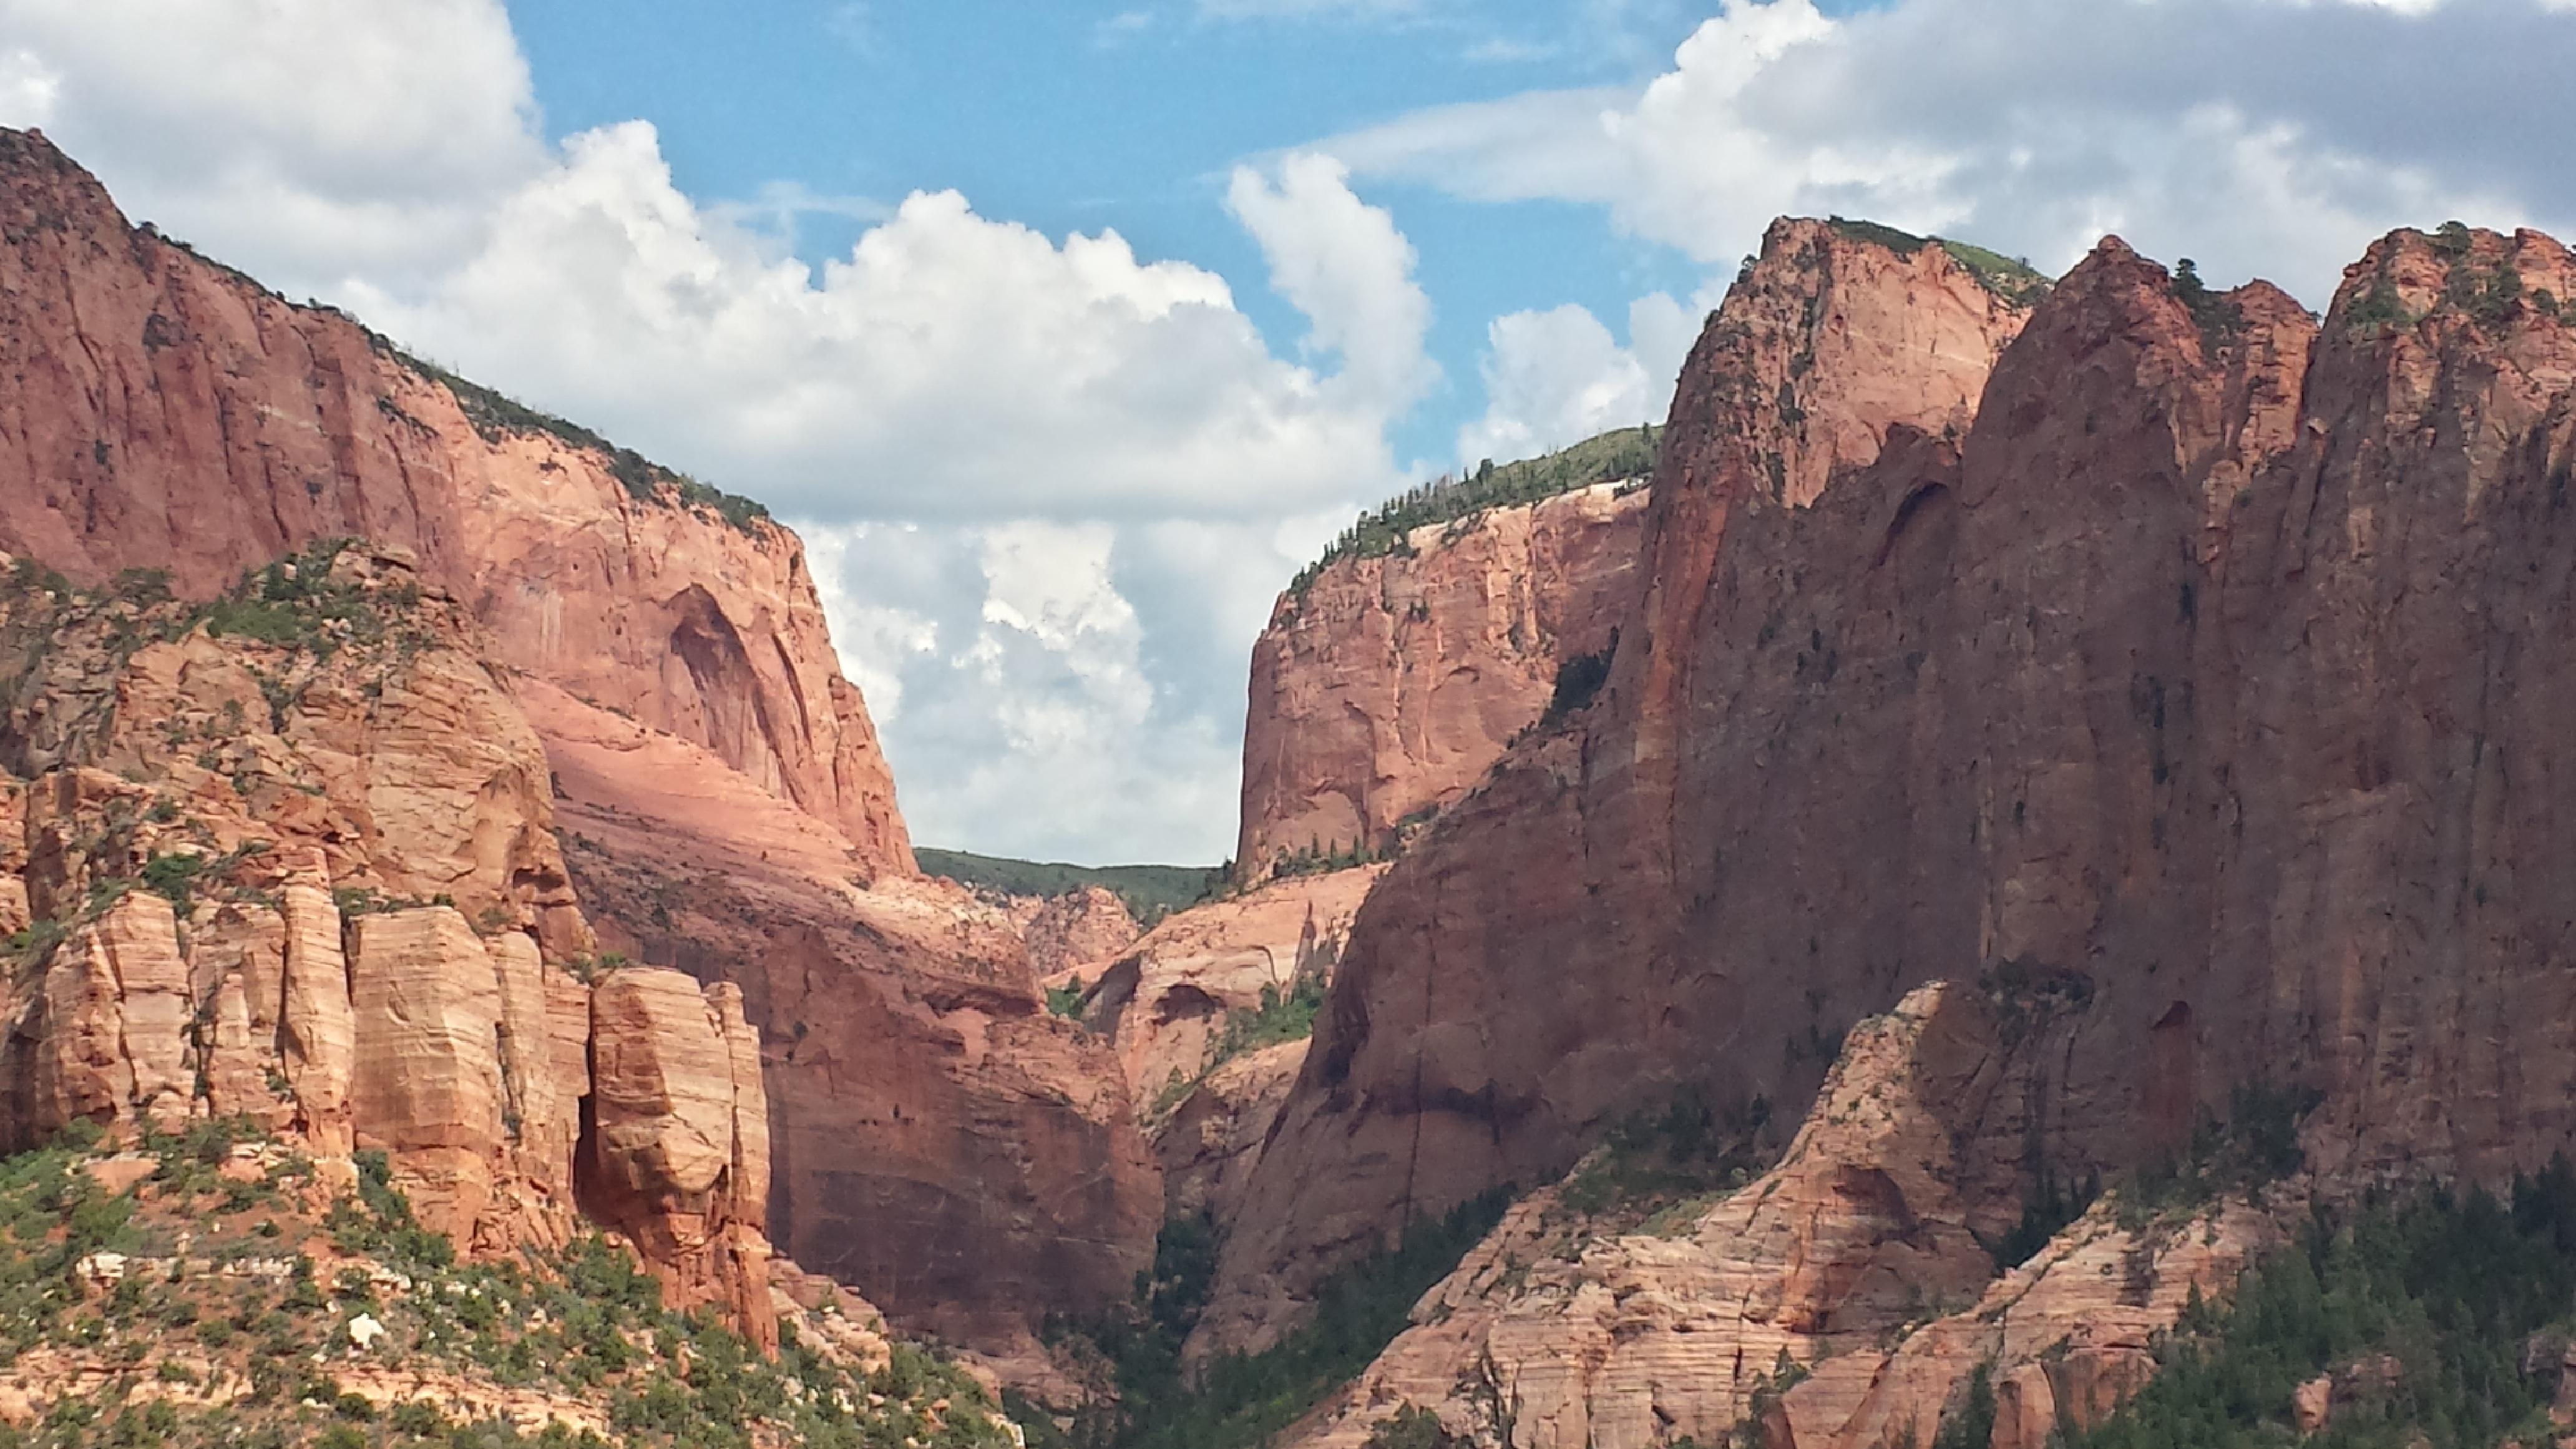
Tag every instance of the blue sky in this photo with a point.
(1065, 333)
(1076, 117)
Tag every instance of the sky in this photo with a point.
(1066, 332)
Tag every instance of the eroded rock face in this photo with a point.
(1839, 1300)
(2207, 655)
(676, 1083)
(167, 413)
(310, 879)
(1386, 689)
(966, 1160)
(1163, 1005)
(1073, 934)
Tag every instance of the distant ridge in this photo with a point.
(1150, 891)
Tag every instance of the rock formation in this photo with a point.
(1837, 1300)
(1386, 687)
(1073, 934)
(167, 413)
(940, 1141)
(171, 425)
(292, 860)
(2164, 637)
(1164, 1004)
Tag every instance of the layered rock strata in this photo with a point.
(1839, 1301)
(168, 413)
(304, 874)
(1388, 686)
(940, 1141)
(2201, 649)
(1163, 1005)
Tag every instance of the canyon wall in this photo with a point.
(931, 1136)
(302, 873)
(168, 413)
(1386, 687)
(2169, 639)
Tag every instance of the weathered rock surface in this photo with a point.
(1388, 688)
(1210, 1143)
(1163, 1005)
(2201, 649)
(675, 1160)
(1073, 934)
(940, 1142)
(168, 413)
(310, 878)
(1839, 1300)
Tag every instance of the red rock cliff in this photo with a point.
(1391, 684)
(930, 1134)
(2215, 660)
(164, 412)
(295, 864)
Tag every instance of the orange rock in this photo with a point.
(1388, 687)
(427, 1081)
(1164, 1003)
(170, 372)
(1074, 933)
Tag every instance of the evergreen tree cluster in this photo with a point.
(2466, 1302)
(1628, 453)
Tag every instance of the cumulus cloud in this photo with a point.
(1342, 263)
(2255, 135)
(321, 140)
(1557, 377)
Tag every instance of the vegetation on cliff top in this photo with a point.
(2013, 279)
(1624, 455)
(496, 415)
(1150, 892)
(229, 1298)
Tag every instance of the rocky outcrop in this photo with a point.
(1387, 686)
(1210, 1143)
(680, 1157)
(1164, 1004)
(1073, 934)
(304, 872)
(1525, 974)
(2201, 649)
(1838, 1301)
(940, 1141)
(166, 413)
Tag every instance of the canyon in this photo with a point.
(2177, 644)
(632, 744)
(2022, 733)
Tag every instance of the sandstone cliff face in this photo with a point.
(939, 1141)
(1073, 934)
(1164, 1003)
(1385, 690)
(1838, 1300)
(170, 414)
(1514, 983)
(2211, 660)
(305, 873)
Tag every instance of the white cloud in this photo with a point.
(1558, 377)
(315, 138)
(1343, 264)
(1048, 484)
(2256, 135)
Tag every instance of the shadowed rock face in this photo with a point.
(167, 413)
(2212, 657)
(1388, 687)
(940, 1141)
